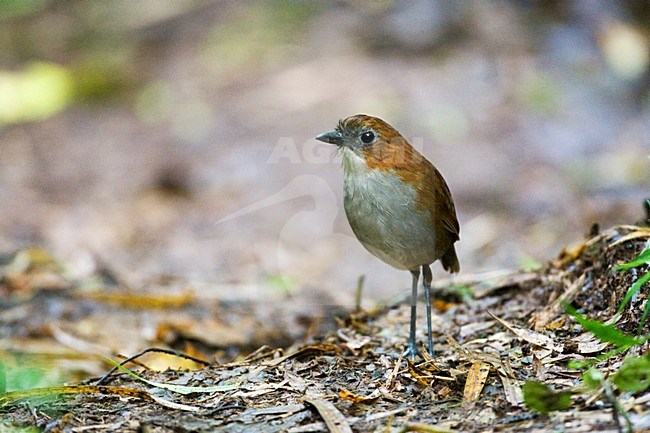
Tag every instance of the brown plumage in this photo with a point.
(398, 204)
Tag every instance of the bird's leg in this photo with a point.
(412, 350)
(427, 277)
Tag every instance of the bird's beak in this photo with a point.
(331, 137)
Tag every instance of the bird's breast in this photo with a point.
(383, 213)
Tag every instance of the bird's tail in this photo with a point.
(450, 261)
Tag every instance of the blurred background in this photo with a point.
(174, 139)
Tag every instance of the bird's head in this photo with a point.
(370, 140)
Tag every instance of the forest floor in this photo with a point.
(492, 335)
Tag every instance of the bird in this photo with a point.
(398, 205)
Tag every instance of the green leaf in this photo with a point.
(20, 8)
(542, 399)
(528, 264)
(642, 259)
(644, 316)
(606, 333)
(38, 92)
(634, 375)
(593, 378)
(465, 292)
(633, 290)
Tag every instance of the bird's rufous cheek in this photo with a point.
(385, 155)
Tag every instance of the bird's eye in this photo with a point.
(367, 137)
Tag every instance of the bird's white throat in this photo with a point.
(353, 162)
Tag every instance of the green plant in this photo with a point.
(540, 398)
(642, 259)
(633, 376)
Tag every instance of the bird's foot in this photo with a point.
(411, 352)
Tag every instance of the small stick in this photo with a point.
(358, 293)
(152, 349)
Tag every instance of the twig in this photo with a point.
(359, 293)
(152, 349)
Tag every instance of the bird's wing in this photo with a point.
(445, 204)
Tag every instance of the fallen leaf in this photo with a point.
(512, 390)
(420, 378)
(544, 317)
(334, 419)
(476, 377)
(142, 301)
(356, 399)
(428, 428)
(302, 351)
(532, 337)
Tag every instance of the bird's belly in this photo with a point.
(383, 214)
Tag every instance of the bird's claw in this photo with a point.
(411, 352)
